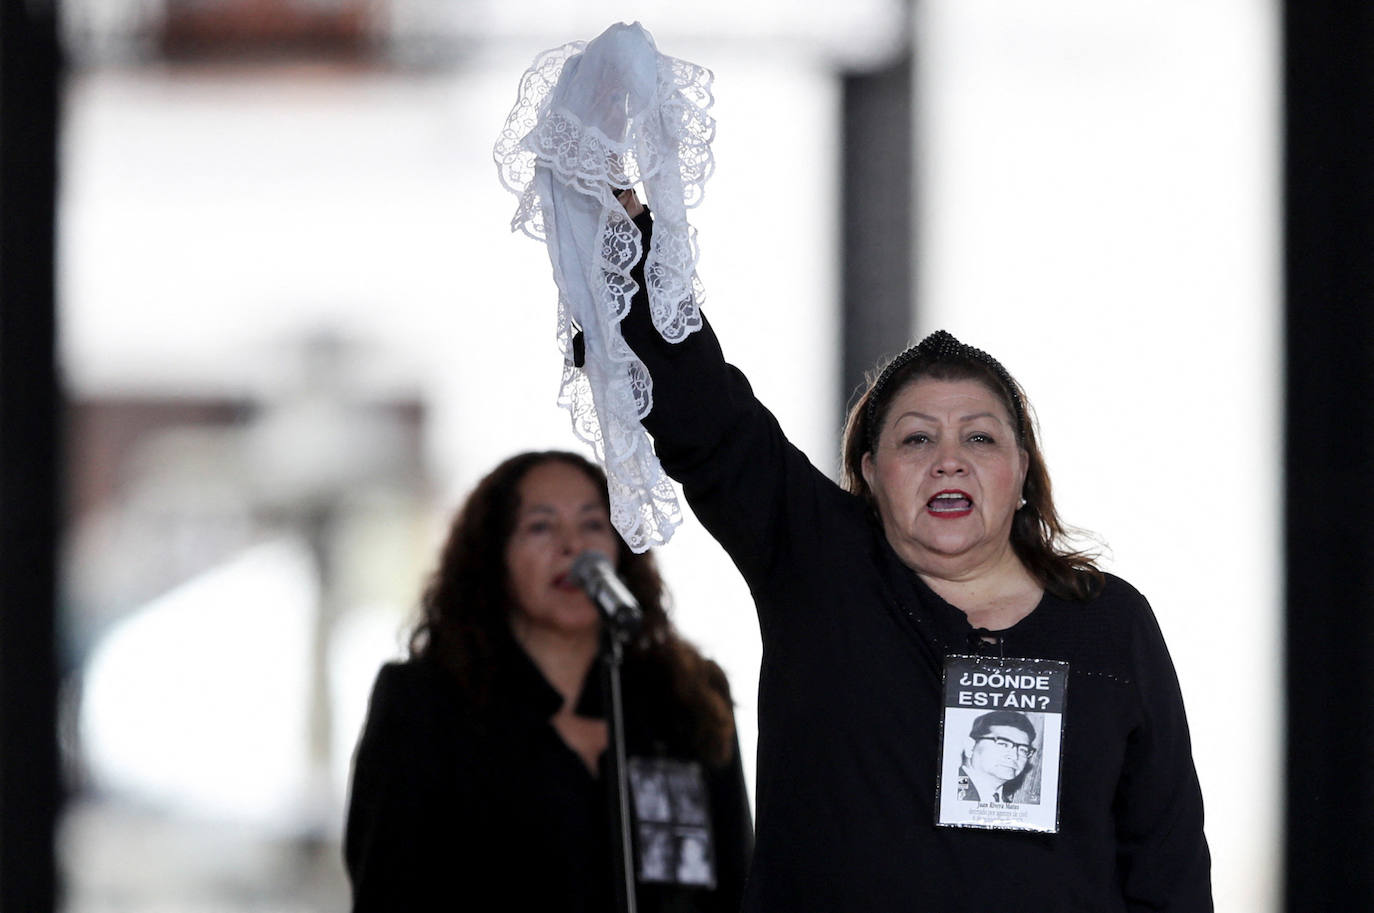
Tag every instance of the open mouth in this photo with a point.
(950, 504)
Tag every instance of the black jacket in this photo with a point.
(454, 807)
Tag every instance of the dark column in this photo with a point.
(28, 457)
(1329, 459)
(877, 272)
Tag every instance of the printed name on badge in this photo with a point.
(1001, 743)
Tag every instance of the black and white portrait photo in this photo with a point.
(672, 822)
(998, 755)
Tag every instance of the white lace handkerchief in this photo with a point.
(590, 117)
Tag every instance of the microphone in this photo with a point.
(593, 571)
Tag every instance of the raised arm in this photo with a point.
(745, 481)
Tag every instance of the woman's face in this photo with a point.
(561, 514)
(946, 475)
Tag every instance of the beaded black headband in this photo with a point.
(937, 347)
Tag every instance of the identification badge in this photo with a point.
(672, 822)
(1001, 743)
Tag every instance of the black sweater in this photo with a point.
(850, 692)
(457, 807)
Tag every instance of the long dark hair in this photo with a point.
(466, 605)
(1038, 535)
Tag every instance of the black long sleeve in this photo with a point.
(459, 807)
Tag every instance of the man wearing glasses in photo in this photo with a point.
(997, 754)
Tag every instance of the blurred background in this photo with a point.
(293, 329)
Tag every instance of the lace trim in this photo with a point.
(589, 116)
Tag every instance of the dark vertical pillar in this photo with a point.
(1329, 459)
(28, 457)
(877, 197)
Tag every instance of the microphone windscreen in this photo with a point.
(585, 567)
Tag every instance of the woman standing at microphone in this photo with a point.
(478, 777)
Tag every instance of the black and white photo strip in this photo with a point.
(672, 822)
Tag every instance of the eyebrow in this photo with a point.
(1006, 739)
(962, 418)
(550, 509)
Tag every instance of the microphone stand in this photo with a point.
(614, 636)
(621, 617)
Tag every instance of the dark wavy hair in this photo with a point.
(466, 606)
(1038, 535)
